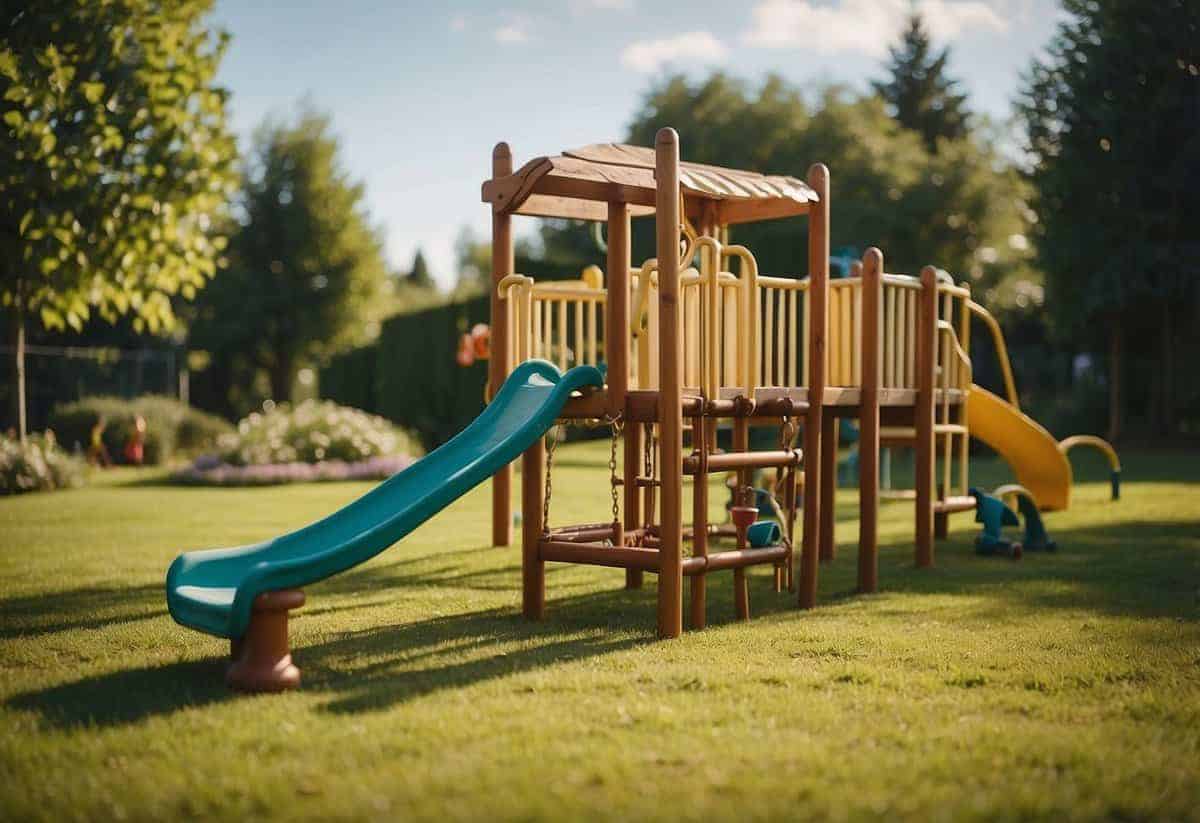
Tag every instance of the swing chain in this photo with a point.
(552, 438)
(618, 425)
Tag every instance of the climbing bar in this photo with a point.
(734, 559)
(745, 460)
(595, 554)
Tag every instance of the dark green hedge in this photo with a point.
(171, 427)
(410, 375)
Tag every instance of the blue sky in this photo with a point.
(419, 92)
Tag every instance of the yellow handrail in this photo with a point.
(1010, 386)
(1099, 443)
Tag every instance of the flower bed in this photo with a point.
(212, 472)
(313, 441)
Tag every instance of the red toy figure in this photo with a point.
(135, 446)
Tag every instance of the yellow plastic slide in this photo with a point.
(1029, 449)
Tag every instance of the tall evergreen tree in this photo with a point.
(307, 268)
(918, 92)
(1112, 116)
(419, 274)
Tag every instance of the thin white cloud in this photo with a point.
(863, 26)
(514, 32)
(649, 55)
(602, 5)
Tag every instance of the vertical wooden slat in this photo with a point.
(579, 354)
(562, 335)
(831, 364)
(768, 354)
(793, 336)
(856, 337)
(780, 339)
(731, 337)
(890, 337)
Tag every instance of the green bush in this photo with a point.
(37, 465)
(410, 375)
(171, 427)
(312, 432)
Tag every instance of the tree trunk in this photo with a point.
(19, 348)
(1166, 404)
(281, 379)
(1115, 351)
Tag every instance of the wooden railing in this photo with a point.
(560, 321)
(901, 315)
(740, 331)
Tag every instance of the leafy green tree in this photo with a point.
(115, 163)
(419, 275)
(307, 276)
(918, 92)
(1113, 128)
(953, 209)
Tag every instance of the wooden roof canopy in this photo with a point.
(579, 184)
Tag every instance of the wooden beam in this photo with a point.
(924, 442)
(818, 287)
(633, 498)
(595, 554)
(502, 266)
(670, 579)
(868, 423)
(533, 570)
(616, 335)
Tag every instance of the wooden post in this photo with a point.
(617, 340)
(818, 286)
(262, 661)
(670, 578)
(699, 520)
(502, 266)
(533, 569)
(868, 424)
(828, 476)
(633, 500)
(924, 444)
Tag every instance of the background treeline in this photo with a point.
(1074, 223)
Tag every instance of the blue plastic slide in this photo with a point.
(213, 590)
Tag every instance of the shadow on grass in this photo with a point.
(363, 671)
(89, 607)
(1138, 569)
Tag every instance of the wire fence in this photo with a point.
(60, 374)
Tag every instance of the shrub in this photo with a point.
(37, 465)
(313, 432)
(171, 426)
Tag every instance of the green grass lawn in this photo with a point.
(1065, 685)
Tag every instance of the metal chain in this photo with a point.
(618, 425)
(553, 441)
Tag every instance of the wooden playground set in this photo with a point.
(697, 338)
(692, 342)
